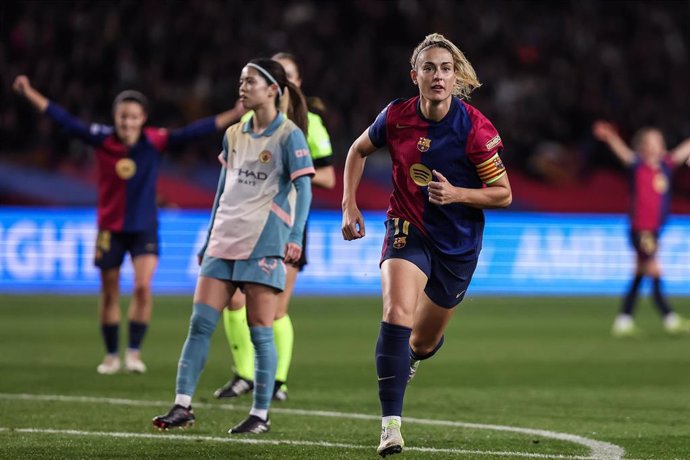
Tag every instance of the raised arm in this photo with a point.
(681, 154)
(353, 221)
(605, 132)
(22, 86)
(229, 117)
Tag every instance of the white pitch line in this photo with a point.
(599, 450)
(276, 442)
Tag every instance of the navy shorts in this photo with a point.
(111, 247)
(448, 277)
(646, 243)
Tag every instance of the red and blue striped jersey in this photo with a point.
(651, 195)
(127, 175)
(464, 146)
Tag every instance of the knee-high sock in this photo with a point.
(284, 336)
(111, 335)
(137, 331)
(631, 296)
(240, 342)
(264, 366)
(415, 357)
(195, 350)
(659, 298)
(392, 366)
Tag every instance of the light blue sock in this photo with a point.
(195, 350)
(265, 362)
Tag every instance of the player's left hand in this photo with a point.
(441, 191)
(292, 253)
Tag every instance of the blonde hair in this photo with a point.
(466, 78)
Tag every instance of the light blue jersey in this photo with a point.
(252, 213)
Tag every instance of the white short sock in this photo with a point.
(261, 413)
(388, 418)
(183, 400)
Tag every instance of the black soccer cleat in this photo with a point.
(251, 425)
(177, 417)
(235, 387)
(280, 392)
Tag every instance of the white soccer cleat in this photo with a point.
(624, 326)
(134, 364)
(109, 366)
(675, 324)
(391, 440)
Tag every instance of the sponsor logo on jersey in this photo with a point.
(125, 168)
(660, 183)
(302, 153)
(493, 142)
(423, 144)
(265, 156)
(421, 175)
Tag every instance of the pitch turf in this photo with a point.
(524, 363)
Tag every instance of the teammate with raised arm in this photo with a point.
(128, 157)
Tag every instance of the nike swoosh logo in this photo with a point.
(386, 378)
(399, 126)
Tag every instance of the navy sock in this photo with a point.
(416, 357)
(659, 299)
(392, 366)
(111, 337)
(195, 350)
(137, 331)
(631, 296)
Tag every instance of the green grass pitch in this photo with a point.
(509, 365)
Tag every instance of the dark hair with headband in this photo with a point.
(274, 74)
(131, 95)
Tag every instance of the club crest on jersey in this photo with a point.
(420, 174)
(399, 242)
(423, 144)
(265, 156)
(125, 168)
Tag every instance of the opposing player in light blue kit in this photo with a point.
(253, 233)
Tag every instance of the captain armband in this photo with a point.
(491, 170)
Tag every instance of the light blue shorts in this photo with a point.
(269, 271)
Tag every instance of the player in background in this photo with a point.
(128, 156)
(254, 231)
(446, 170)
(650, 167)
(235, 315)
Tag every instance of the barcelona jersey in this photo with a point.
(464, 146)
(127, 175)
(650, 195)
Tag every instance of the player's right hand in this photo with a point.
(603, 130)
(21, 84)
(353, 224)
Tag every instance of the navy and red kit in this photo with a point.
(464, 146)
(650, 205)
(127, 176)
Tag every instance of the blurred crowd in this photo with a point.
(549, 69)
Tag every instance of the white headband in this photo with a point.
(267, 75)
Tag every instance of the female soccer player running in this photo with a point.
(446, 169)
(128, 156)
(235, 316)
(251, 236)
